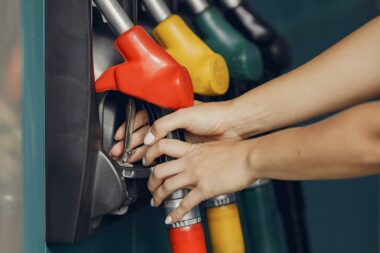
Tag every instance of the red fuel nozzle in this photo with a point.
(149, 73)
(189, 239)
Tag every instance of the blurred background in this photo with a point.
(342, 216)
(11, 197)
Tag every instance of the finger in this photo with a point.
(137, 154)
(120, 133)
(117, 149)
(138, 136)
(169, 147)
(163, 171)
(141, 119)
(170, 185)
(161, 127)
(193, 198)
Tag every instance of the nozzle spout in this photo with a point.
(115, 15)
(158, 9)
(197, 6)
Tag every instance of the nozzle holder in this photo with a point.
(221, 200)
(157, 9)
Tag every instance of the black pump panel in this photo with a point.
(85, 188)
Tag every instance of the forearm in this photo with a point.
(342, 76)
(344, 146)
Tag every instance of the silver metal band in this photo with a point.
(197, 6)
(192, 217)
(115, 15)
(158, 9)
(181, 224)
(221, 200)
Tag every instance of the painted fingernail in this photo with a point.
(143, 161)
(151, 169)
(168, 220)
(149, 138)
(152, 202)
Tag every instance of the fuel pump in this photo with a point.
(207, 69)
(85, 188)
(157, 79)
(243, 58)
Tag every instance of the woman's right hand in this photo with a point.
(203, 122)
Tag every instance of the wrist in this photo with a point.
(244, 119)
(252, 160)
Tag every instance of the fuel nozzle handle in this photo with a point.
(115, 15)
(186, 235)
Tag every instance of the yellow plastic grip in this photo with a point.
(225, 230)
(208, 70)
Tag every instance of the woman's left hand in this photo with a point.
(207, 169)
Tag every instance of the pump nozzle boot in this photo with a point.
(149, 73)
(243, 57)
(208, 70)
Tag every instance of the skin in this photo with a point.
(343, 146)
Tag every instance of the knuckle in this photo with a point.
(203, 188)
(156, 173)
(160, 146)
(166, 187)
(183, 206)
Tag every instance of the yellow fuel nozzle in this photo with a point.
(224, 227)
(208, 70)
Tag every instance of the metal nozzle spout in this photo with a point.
(197, 6)
(115, 15)
(158, 9)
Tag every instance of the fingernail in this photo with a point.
(168, 220)
(151, 169)
(152, 202)
(149, 138)
(143, 161)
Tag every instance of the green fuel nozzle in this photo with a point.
(243, 57)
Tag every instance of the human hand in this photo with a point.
(140, 128)
(202, 123)
(208, 169)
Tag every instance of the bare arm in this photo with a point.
(344, 146)
(344, 75)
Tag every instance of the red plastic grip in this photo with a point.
(189, 239)
(149, 73)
